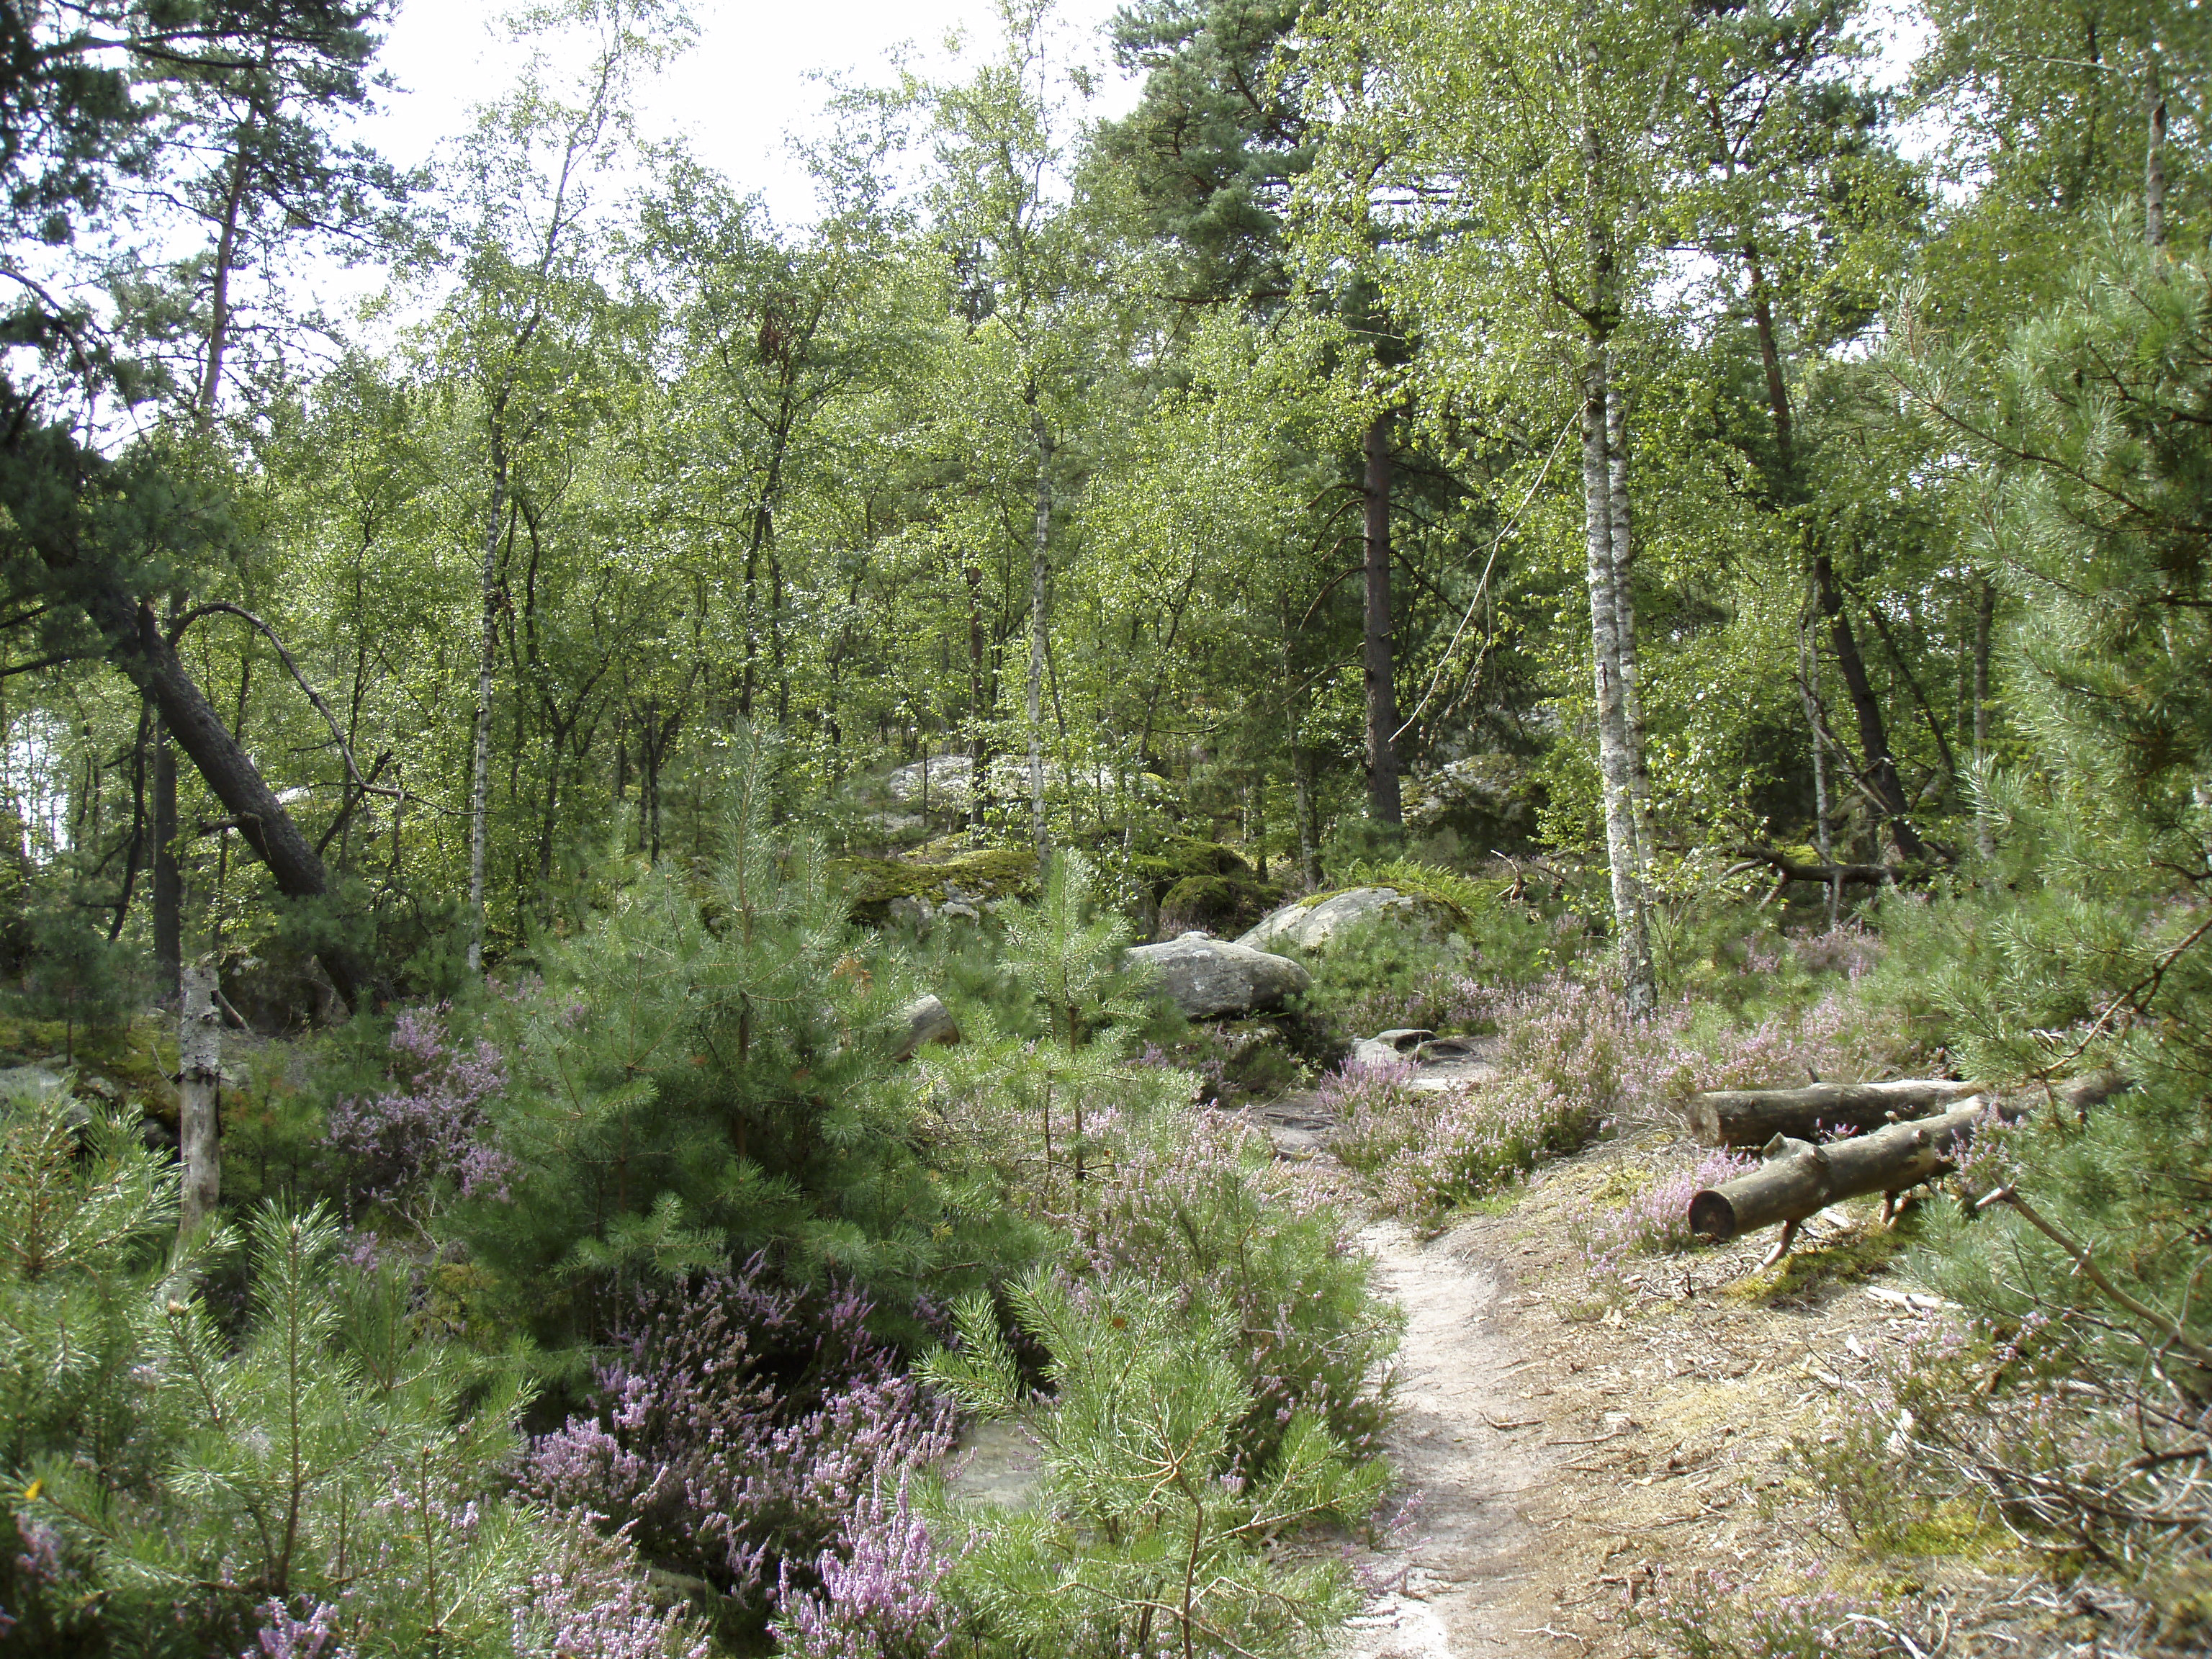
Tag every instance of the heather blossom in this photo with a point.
(431, 1131)
(880, 1594)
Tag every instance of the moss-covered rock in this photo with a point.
(976, 879)
(1217, 904)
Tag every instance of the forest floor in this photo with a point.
(1556, 1448)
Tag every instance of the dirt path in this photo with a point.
(1461, 1446)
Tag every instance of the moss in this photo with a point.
(1180, 858)
(1222, 904)
(1860, 1253)
(137, 1060)
(995, 872)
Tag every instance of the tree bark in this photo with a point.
(1985, 609)
(1615, 735)
(1752, 1117)
(199, 1077)
(1809, 691)
(1624, 613)
(2155, 155)
(1880, 768)
(168, 875)
(138, 647)
(1040, 573)
(487, 662)
(1804, 1182)
(1382, 799)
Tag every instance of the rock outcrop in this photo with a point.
(1316, 924)
(1209, 977)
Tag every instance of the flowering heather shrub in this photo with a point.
(590, 1601)
(738, 1427)
(283, 1636)
(1847, 948)
(1423, 1151)
(1706, 1616)
(430, 1132)
(880, 1597)
(1192, 1204)
(1655, 1219)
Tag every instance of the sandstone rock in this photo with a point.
(1206, 977)
(1386, 1046)
(1314, 925)
(927, 1020)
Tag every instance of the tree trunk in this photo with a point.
(168, 875)
(1040, 571)
(1615, 736)
(1624, 613)
(1985, 611)
(199, 1077)
(487, 661)
(1752, 1117)
(1382, 801)
(143, 651)
(2155, 155)
(1880, 775)
(1804, 1182)
(1809, 692)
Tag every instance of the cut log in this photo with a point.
(1804, 1182)
(1752, 1117)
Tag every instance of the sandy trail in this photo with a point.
(1461, 1449)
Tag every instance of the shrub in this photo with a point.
(324, 1479)
(1192, 1203)
(1654, 1219)
(1381, 974)
(1705, 1615)
(738, 1425)
(1423, 1151)
(881, 1590)
(1149, 1534)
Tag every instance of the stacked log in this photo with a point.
(1752, 1117)
(1804, 1182)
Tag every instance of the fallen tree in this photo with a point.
(1752, 1117)
(1801, 1180)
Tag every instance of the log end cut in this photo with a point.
(1711, 1216)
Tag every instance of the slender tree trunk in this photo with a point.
(979, 748)
(487, 662)
(1881, 777)
(168, 875)
(1615, 736)
(2154, 156)
(1985, 611)
(1623, 612)
(1040, 571)
(1382, 799)
(199, 1075)
(1809, 691)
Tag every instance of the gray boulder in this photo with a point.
(1314, 925)
(927, 1020)
(1206, 977)
(1386, 1046)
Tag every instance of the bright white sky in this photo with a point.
(736, 94)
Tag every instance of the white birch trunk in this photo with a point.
(1615, 748)
(199, 1075)
(1808, 691)
(1624, 609)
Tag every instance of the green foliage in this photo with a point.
(174, 1486)
(1148, 1533)
(707, 1072)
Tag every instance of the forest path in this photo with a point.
(1461, 1449)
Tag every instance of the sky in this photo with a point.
(735, 95)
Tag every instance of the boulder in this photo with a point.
(1206, 977)
(1386, 1046)
(1315, 924)
(927, 1020)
